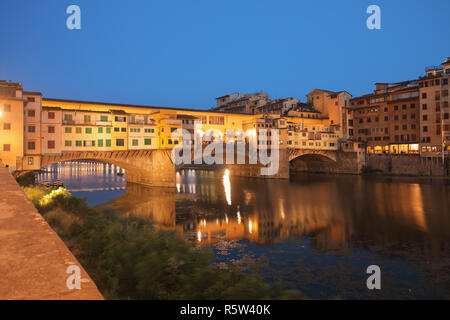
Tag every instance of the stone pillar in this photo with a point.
(155, 169)
(254, 170)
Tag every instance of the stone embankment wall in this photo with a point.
(33, 259)
(413, 165)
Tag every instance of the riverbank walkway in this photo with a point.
(33, 259)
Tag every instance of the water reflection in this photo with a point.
(313, 229)
(157, 204)
(96, 181)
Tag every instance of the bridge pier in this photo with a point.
(255, 170)
(155, 171)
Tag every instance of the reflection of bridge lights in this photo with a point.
(250, 226)
(199, 236)
(226, 219)
(282, 209)
(239, 217)
(178, 187)
(204, 222)
(227, 186)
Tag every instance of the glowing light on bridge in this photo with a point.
(199, 236)
(227, 186)
(239, 217)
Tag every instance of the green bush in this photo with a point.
(128, 258)
(26, 179)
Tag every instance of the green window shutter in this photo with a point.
(108, 130)
(103, 118)
(100, 143)
(78, 130)
(88, 130)
(135, 142)
(108, 142)
(68, 130)
(147, 142)
(100, 130)
(68, 143)
(78, 143)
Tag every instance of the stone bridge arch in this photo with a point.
(147, 167)
(305, 160)
(319, 154)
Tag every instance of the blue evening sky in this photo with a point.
(186, 53)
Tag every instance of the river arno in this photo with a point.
(316, 233)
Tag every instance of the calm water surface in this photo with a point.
(315, 233)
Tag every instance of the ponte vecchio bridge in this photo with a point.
(140, 139)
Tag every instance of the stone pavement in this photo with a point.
(33, 259)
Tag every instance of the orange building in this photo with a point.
(388, 119)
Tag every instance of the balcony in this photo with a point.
(432, 68)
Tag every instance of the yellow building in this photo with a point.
(32, 130)
(11, 124)
(32, 126)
